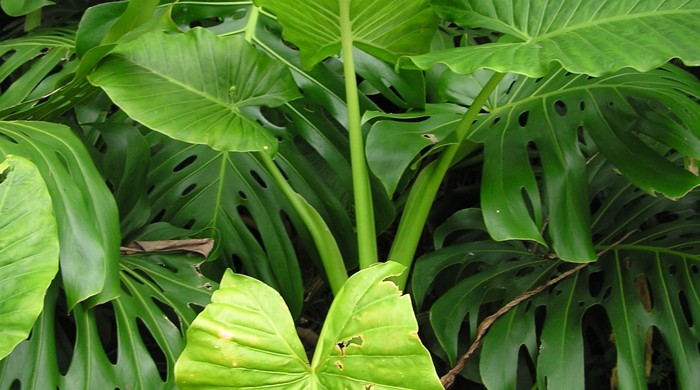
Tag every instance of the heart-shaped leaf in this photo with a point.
(385, 29)
(589, 37)
(197, 87)
(246, 338)
(28, 249)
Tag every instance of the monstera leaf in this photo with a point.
(197, 87)
(34, 67)
(87, 218)
(586, 37)
(246, 338)
(28, 249)
(384, 29)
(641, 295)
(130, 343)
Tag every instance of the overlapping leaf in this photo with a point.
(197, 87)
(586, 37)
(132, 342)
(22, 7)
(34, 67)
(246, 338)
(643, 289)
(385, 29)
(87, 218)
(28, 249)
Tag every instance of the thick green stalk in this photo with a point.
(364, 210)
(424, 190)
(325, 243)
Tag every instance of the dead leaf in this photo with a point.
(201, 246)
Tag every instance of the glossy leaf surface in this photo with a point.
(246, 338)
(86, 214)
(586, 37)
(28, 249)
(157, 81)
(385, 29)
(642, 290)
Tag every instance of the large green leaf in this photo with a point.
(28, 249)
(587, 37)
(88, 224)
(246, 338)
(646, 285)
(385, 29)
(130, 343)
(197, 87)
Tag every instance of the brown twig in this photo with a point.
(484, 326)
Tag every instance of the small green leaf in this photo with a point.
(385, 29)
(28, 249)
(246, 338)
(589, 37)
(197, 87)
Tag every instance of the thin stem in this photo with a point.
(364, 210)
(424, 190)
(250, 25)
(325, 243)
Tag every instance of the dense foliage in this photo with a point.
(234, 194)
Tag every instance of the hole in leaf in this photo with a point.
(185, 163)
(540, 317)
(159, 216)
(153, 349)
(249, 222)
(607, 292)
(641, 285)
(560, 108)
(694, 269)
(189, 224)
(107, 332)
(62, 160)
(526, 367)
(595, 283)
(150, 189)
(525, 271)
(239, 14)
(258, 179)
(582, 105)
(658, 360)
(242, 195)
(599, 350)
(495, 121)
(685, 308)
(189, 189)
(8, 138)
(169, 313)
(273, 116)
(522, 118)
(196, 308)
(309, 108)
(672, 269)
